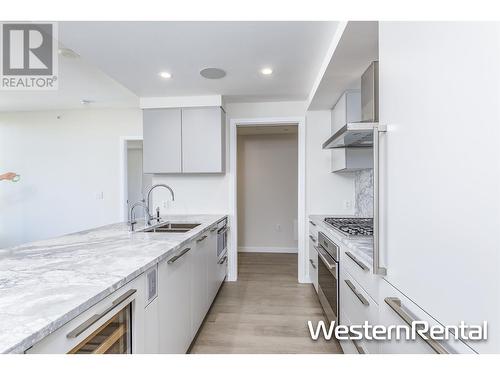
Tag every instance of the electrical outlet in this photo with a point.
(348, 204)
(99, 196)
(278, 227)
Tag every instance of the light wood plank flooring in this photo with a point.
(265, 311)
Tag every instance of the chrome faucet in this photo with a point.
(158, 208)
(132, 221)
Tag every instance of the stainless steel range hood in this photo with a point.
(360, 134)
(355, 134)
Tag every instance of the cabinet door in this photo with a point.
(203, 140)
(313, 262)
(212, 267)
(438, 145)
(151, 332)
(392, 306)
(175, 302)
(162, 140)
(221, 271)
(357, 306)
(199, 290)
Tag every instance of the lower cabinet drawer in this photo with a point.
(221, 270)
(313, 265)
(313, 229)
(396, 309)
(351, 346)
(361, 271)
(357, 307)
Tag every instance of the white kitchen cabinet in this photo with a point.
(346, 110)
(199, 290)
(350, 346)
(162, 129)
(151, 331)
(391, 316)
(360, 270)
(438, 225)
(212, 266)
(221, 271)
(203, 140)
(313, 261)
(357, 307)
(175, 302)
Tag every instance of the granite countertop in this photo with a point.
(360, 247)
(45, 284)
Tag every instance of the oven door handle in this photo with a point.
(323, 258)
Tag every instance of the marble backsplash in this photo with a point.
(363, 186)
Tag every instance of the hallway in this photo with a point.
(265, 311)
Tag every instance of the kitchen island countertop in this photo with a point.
(45, 284)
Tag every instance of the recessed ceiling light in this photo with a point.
(166, 75)
(267, 71)
(212, 73)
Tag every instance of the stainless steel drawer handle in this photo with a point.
(174, 258)
(312, 223)
(312, 238)
(357, 261)
(312, 263)
(213, 229)
(94, 318)
(201, 239)
(395, 304)
(361, 298)
(223, 260)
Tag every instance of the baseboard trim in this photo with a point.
(267, 249)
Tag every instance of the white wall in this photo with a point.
(64, 165)
(327, 193)
(267, 192)
(210, 193)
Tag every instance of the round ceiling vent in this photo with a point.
(212, 73)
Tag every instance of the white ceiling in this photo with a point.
(357, 48)
(77, 80)
(133, 53)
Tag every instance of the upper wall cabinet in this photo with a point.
(347, 110)
(203, 140)
(187, 140)
(162, 141)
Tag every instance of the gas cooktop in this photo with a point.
(352, 226)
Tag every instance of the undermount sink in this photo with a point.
(170, 227)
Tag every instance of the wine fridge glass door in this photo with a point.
(113, 337)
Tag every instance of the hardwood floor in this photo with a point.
(265, 311)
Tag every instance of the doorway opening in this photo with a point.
(267, 189)
(267, 163)
(135, 183)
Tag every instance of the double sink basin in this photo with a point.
(171, 227)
